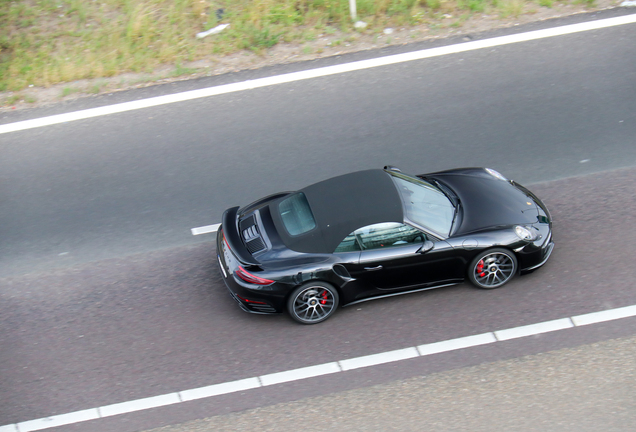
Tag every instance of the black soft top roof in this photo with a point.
(340, 206)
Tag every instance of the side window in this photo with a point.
(388, 234)
(349, 244)
(382, 235)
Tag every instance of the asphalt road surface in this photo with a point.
(107, 297)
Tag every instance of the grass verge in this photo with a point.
(46, 42)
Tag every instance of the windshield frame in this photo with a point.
(427, 185)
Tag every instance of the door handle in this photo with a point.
(373, 268)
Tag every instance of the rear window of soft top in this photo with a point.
(296, 214)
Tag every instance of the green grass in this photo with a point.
(45, 42)
(66, 91)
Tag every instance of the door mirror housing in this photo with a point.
(427, 246)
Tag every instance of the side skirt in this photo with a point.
(400, 293)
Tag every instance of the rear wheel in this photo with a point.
(312, 302)
(492, 268)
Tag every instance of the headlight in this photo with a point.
(525, 233)
(495, 174)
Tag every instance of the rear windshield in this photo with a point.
(296, 214)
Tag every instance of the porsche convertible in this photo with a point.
(379, 233)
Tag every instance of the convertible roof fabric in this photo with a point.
(340, 206)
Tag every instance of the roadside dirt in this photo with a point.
(331, 43)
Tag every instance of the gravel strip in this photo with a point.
(588, 388)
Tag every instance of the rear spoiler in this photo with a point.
(233, 238)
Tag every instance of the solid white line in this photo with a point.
(139, 404)
(322, 369)
(298, 374)
(455, 344)
(219, 389)
(602, 316)
(319, 72)
(205, 229)
(378, 359)
(533, 329)
(58, 420)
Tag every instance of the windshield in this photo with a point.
(425, 204)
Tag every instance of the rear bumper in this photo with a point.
(250, 300)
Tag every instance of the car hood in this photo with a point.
(486, 201)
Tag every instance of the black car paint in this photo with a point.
(402, 269)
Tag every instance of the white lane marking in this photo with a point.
(205, 229)
(608, 315)
(455, 344)
(299, 374)
(58, 420)
(533, 329)
(378, 359)
(219, 389)
(322, 369)
(139, 404)
(318, 72)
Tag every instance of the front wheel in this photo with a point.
(312, 302)
(492, 268)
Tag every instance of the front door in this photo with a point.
(392, 259)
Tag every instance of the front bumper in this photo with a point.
(535, 255)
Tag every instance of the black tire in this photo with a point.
(492, 268)
(312, 302)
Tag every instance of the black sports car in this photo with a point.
(379, 233)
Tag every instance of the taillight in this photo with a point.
(250, 278)
(226, 243)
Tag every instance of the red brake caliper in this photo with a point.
(480, 268)
(324, 298)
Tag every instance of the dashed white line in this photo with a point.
(318, 72)
(322, 369)
(205, 229)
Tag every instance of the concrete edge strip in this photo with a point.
(299, 374)
(378, 359)
(321, 369)
(456, 344)
(219, 389)
(318, 72)
(533, 329)
(139, 404)
(602, 316)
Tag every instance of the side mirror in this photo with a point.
(427, 246)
